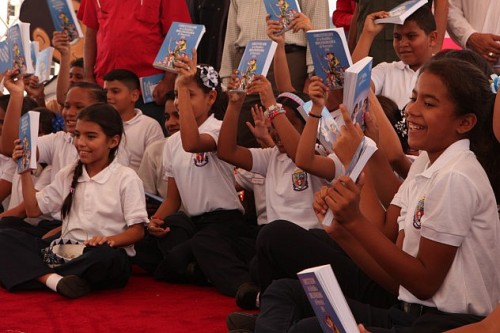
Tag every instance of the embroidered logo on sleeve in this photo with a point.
(299, 180)
(200, 159)
(419, 213)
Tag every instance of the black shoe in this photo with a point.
(240, 322)
(72, 286)
(246, 296)
(194, 275)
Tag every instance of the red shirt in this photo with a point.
(130, 32)
(342, 15)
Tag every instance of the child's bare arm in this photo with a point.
(441, 17)
(370, 30)
(60, 41)
(10, 131)
(132, 235)
(280, 62)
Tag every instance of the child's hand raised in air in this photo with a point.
(18, 151)
(235, 96)
(260, 85)
(13, 83)
(185, 68)
(318, 92)
(350, 137)
(60, 41)
(300, 22)
(274, 27)
(261, 129)
(155, 227)
(34, 88)
(372, 28)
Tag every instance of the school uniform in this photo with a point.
(7, 170)
(105, 204)
(212, 231)
(395, 80)
(151, 169)
(255, 183)
(140, 132)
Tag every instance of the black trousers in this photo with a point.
(44, 226)
(219, 242)
(284, 249)
(285, 308)
(21, 263)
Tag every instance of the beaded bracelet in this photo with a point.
(314, 116)
(274, 110)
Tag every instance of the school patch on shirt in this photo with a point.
(299, 180)
(200, 159)
(419, 213)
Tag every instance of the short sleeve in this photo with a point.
(378, 76)
(260, 159)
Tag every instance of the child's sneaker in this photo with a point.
(73, 286)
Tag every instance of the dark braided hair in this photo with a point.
(111, 124)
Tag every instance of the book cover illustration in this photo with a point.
(28, 134)
(148, 85)
(327, 300)
(35, 48)
(43, 64)
(256, 59)
(330, 55)
(19, 48)
(282, 11)
(357, 89)
(181, 39)
(5, 62)
(64, 19)
(398, 14)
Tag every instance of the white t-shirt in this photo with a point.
(452, 202)
(205, 183)
(104, 205)
(140, 132)
(151, 169)
(256, 183)
(289, 190)
(8, 169)
(394, 80)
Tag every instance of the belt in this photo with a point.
(416, 310)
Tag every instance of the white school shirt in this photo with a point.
(395, 80)
(57, 149)
(205, 183)
(256, 183)
(104, 205)
(289, 190)
(452, 202)
(140, 132)
(8, 169)
(151, 169)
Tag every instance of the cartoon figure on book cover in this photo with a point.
(18, 60)
(68, 27)
(335, 72)
(180, 47)
(249, 73)
(331, 325)
(285, 16)
(25, 161)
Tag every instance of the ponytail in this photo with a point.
(66, 207)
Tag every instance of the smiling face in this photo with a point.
(412, 45)
(171, 117)
(76, 99)
(432, 121)
(93, 146)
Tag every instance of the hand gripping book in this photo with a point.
(357, 88)
(330, 55)
(181, 38)
(255, 60)
(327, 300)
(18, 40)
(43, 64)
(64, 19)
(28, 134)
(283, 11)
(400, 13)
(148, 85)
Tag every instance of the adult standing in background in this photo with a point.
(342, 15)
(127, 34)
(476, 25)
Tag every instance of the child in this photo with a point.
(413, 43)
(102, 205)
(122, 89)
(444, 263)
(211, 234)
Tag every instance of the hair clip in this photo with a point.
(494, 83)
(72, 190)
(209, 76)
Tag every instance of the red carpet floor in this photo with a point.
(144, 305)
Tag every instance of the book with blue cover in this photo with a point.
(400, 13)
(5, 62)
(148, 85)
(35, 48)
(181, 38)
(283, 11)
(256, 59)
(357, 88)
(43, 64)
(28, 134)
(18, 40)
(64, 18)
(327, 300)
(330, 55)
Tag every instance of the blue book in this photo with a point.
(28, 134)
(330, 55)
(18, 39)
(181, 38)
(327, 300)
(255, 60)
(400, 13)
(328, 128)
(64, 18)
(43, 64)
(357, 89)
(148, 84)
(5, 60)
(35, 48)
(283, 11)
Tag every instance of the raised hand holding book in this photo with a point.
(19, 45)
(400, 13)
(282, 11)
(28, 135)
(357, 88)
(64, 19)
(148, 85)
